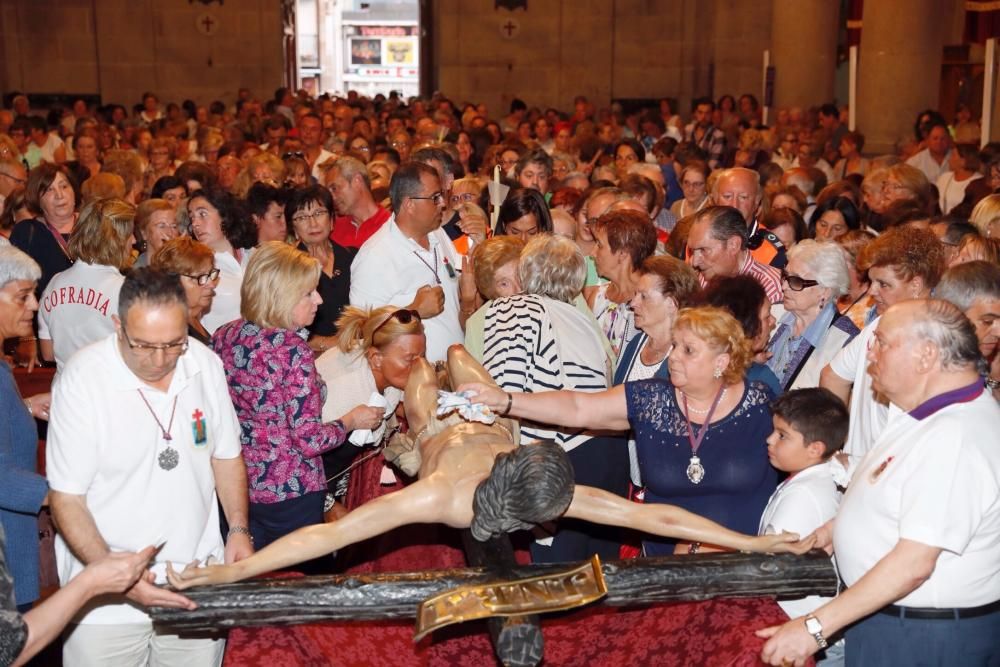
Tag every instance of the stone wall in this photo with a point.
(604, 49)
(600, 48)
(121, 48)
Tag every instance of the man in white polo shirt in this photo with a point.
(143, 439)
(410, 262)
(903, 263)
(917, 536)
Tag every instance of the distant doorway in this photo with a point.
(368, 47)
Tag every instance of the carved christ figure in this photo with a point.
(473, 475)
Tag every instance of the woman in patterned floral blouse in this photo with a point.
(278, 394)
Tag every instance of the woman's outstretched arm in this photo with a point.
(579, 409)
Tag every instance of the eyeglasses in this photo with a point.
(693, 184)
(888, 186)
(403, 316)
(19, 181)
(149, 349)
(318, 214)
(203, 278)
(464, 197)
(291, 154)
(436, 197)
(797, 283)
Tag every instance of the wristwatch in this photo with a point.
(815, 628)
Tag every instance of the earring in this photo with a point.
(717, 373)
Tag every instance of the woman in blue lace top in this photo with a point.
(719, 471)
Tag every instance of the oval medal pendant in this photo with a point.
(695, 471)
(169, 458)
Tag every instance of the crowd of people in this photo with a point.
(763, 326)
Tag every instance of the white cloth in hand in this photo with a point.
(363, 436)
(462, 401)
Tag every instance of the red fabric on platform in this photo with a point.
(717, 632)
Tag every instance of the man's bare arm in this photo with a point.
(828, 379)
(231, 487)
(76, 525)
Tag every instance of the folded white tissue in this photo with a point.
(362, 437)
(449, 401)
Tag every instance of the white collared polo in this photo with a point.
(935, 481)
(104, 443)
(801, 504)
(390, 268)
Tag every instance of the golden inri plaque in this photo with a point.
(534, 595)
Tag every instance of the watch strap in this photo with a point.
(815, 628)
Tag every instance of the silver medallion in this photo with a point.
(169, 458)
(695, 471)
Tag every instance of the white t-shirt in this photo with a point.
(935, 481)
(951, 192)
(931, 168)
(868, 411)
(104, 444)
(77, 306)
(801, 504)
(51, 145)
(390, 268)
(226, 304)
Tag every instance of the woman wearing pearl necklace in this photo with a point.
(701, 436)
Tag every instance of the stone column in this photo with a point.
(899, 68)
(804, 51)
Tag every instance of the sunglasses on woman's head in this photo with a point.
(403, 316)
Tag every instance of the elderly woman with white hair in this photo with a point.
(22, 490)
(812, 331)
(539, 341)
(26, 627)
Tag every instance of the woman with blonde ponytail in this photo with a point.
(369, 365)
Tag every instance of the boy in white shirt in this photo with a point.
(810, 426)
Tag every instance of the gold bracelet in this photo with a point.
(240, 530)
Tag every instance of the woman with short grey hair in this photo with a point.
(540, 341)
(553, 266)
(812, 331)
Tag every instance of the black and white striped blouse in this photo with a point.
(533, 343)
